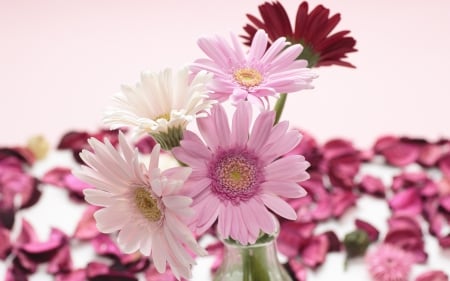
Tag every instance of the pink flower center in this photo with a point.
(248, 77)
(236, 175)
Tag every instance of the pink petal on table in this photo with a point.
(309, 148)
(76, 275)
(432, 275)
(41, 250)
(314, 252)
(444, 241)
(436, 220)
(323, 210)
(401, 153)
(105, 246)
(337, 147)
(341, 201)
(405, 232)
(145, 145)
(444, 203)
(335, 245)
(343, 169)
(297, 270)
(372, 185)
(26, 235)
(431, 153)
(292, 236)
(56, 176)
(101, 272)
(61, 261)
(217, 249)
(409, 180)
(371, 231)
(14, 273)
(23, 154)
(444, 165)
(5, 244)
(86, 228)
(384, 142)
(406, 202)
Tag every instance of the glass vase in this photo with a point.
(256, 262)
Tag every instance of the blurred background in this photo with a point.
(61, 62)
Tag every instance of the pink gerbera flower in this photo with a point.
(389, 263)
(256, 75)
(142, 203)
(239, 176)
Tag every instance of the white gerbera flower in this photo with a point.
(142, 203)
(162, 104)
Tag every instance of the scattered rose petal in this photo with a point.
(63, 177)
(432, 275)
(341, 201)
(400, 152)
(96, 271)
(145, 145)
(86, 228)
(371, 231)
(61, 261)
(292, 237)
(297, 270)
(372, 185)
(76, 275)
(444, 165)
(406, 202)
(334, 243)
(14, 273)
(315, 250)
(5, 245)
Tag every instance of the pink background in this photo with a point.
(61, 62)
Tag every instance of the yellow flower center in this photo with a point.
(147, 205)
(248, 77)
(163, 116)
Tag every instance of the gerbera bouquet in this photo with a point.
(219, 117)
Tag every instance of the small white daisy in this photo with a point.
(162, 104)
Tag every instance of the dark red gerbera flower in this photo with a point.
(312, 30)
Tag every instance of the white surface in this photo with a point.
(61, 62)
(56, 210)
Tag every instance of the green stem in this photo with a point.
(255, 264)
(279, 106)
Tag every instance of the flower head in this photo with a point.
(256, 75)
(389, 263)
(162, 104)
(312, 31)
(238, 176)
(142, 203)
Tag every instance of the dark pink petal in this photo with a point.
(104, 246)
(314, 252)
(86, 228)
(334, 243)
(5, 244)
(406, 202)
(444, 186)
(309, 148)
(431, 153)
(409, 180)
(337, 147)
(341, 201)
(323, 210)
(14, 273)
(217, 249)
(145, 145)
(297, 270)
(63, 177)
(61, 261)
(405, 232)
(432, 275)
(444, 203)
(26, 235)
(401, 154)
(373, 186)
(76, 275)
(43, 251)
(444, 165)
(384, 142)
(444, 241)
(101, 272)
(371, 231)
(343, 169)
(23, 154)
(292, 236)
(436, 220)
(7, 212)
